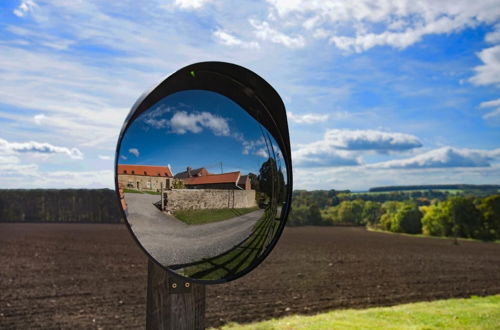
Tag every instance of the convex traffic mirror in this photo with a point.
(203, 171)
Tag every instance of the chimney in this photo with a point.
(188, 171)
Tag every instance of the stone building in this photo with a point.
(145, 177)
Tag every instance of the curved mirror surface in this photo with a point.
(203, 184)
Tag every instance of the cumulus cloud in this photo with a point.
(338, 147)
(265, 32)
(360, 25)
(489, 72)
(39, 148)
(190, 4)
(183, 122)
(445, 157)
(134, 151)
(370, 140)
(24, 7)
(308, 118)
(228, 39)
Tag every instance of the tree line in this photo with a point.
(59, 205)
(454, 215)
(476, 187)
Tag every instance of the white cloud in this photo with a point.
(262, 153)
(39, 147)
(228, 39)
(370, 140)
(317, 155)
(361, 25)
(308, 118)
(491, 104)
(445, 157)
(494, 36)
(103, 157)
(249, 145)
(190, 4)
(43, 39)
(134, 151)
(24, 7)
(183, 122)
(39, 118)
(265, 32)
(489, 72)
(338, 147)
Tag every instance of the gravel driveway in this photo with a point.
(171, 241)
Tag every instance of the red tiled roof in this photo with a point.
(145, 170)
(231, 177)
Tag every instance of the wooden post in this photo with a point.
(173, 303)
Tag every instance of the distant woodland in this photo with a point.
(470, 211)
(59, 205)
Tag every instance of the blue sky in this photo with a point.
(377, 93)
(198, 129)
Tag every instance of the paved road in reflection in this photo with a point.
(171, 241)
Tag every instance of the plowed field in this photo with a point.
(94, 276)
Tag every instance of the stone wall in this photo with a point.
(196, 199)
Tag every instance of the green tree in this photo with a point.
(351, 212)
(371, 212)
(436, 220)
(389, 210)
(407, 219)
(298, 216)
(466, 218)
(490, 210)
(314, 216)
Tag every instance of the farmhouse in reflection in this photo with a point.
(191, 189)
(144, 177)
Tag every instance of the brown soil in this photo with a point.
(94, 276)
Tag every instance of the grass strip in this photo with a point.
(469, 313)
(198, 217)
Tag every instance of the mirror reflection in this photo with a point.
(203, 184)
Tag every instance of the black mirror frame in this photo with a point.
(250, 92)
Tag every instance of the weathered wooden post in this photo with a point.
(173, 302)
(186, 119)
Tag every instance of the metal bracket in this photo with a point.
(178, 285)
